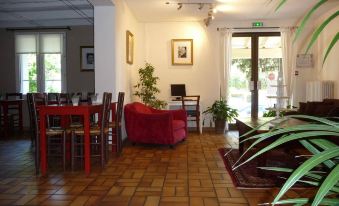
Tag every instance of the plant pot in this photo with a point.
(220, 126)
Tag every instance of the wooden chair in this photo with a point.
(64, 98)
(191, 105)
(55, 137)
(98, 135)
(13, 110)
(115, 125)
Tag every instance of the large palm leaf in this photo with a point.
(318, 30)
(315, 138)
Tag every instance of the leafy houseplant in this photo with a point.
(221, 113)
(320, 138)
(146, 87)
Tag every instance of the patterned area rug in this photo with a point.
(248, 176)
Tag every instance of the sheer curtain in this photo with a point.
(288, 59)
(226, 61)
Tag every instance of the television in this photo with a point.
(178, 90)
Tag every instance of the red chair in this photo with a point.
(147, 125)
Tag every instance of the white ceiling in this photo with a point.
(239, 10)
(45, 13)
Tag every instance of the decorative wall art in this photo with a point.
(182, 51)
(129, 47)
(87, 58)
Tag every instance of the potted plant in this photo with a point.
(146, 87)
(321, 170)
(221, 114)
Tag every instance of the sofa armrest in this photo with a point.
(179, 114)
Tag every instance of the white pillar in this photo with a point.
(104, 47)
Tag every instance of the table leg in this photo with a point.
(87, 143)
(43, 158)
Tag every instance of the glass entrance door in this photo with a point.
(256, 59)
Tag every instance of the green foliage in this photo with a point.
(264, 65)
(146, 87)
(272, 113)
(221, 111)
(314, 136)
(318, 30)
(32, 78)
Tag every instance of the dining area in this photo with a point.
(68, 132)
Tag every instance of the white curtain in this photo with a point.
(288, 59)
(226, 61)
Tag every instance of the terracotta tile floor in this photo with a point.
(192, 173)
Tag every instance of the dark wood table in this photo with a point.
(245, 125)
(5, 103)
(84, 110)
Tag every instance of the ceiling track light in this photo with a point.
(200, 5)
(179, 6)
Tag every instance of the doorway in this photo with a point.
(255, 72)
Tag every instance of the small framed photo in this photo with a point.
(86, 58)
(129, 47)
(182, 51)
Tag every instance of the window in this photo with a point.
(40, 60)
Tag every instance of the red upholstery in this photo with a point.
(147, 125)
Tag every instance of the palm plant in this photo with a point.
(318, 31)
(315, 137)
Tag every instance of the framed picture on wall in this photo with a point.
(129, 47)
(86, 58)
(182, 51)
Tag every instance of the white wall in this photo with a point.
(330, 70)
(126, 21)
(201, 78)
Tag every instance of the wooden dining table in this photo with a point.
(5, 104)
(83, 109)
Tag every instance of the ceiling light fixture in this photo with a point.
(200, 5)
(179, 6)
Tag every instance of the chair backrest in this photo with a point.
(191, 103)
(38, 99)
(106, 109)
(53, 98)
(13, 96)
(64, 98)
(120, 106)
(30, 111)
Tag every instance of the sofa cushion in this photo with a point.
(322, 110)
(332, 101)
(178, 124)
(302, 107)
(310, 107)
(334, 112)
(142, 109)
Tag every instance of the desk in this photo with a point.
(4, 104)
(84, 110)
(173, 105)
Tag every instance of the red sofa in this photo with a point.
(147, 125)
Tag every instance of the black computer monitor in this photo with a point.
(178, 90)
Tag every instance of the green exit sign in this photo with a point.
(257, 24)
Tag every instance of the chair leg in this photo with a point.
(72, 150)
(102, 150)
(37, 155)
(64, 150)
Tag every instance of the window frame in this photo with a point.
(40, 62)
